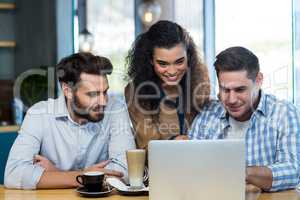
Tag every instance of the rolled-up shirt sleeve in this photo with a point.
(20, 172)
(285, 176)
(285, 170)
(121, 138)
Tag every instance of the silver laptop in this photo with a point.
(197, 170)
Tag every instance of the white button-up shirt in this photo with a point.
(48, 130)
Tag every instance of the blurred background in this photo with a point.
(35, 35)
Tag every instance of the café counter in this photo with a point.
(66, 194)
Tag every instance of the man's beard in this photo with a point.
(85, 112)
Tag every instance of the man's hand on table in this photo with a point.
(259, 176)
(49, 166)
(56, 178)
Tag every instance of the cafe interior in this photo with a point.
(36, 34)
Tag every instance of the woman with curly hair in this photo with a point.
(168, 83)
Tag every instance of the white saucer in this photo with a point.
(298, 189)
(124, 189)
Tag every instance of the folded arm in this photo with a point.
(54, 178)
(260, 177)
(284, 172)
(26, 169)
(20, 171)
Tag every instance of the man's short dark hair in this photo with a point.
(237, 59)
(69, 69)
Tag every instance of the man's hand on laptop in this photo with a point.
(44, 162)
(101, 167)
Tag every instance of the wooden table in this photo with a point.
(6, 129)
(66, 194)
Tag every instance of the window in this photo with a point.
(265, 28)
(112, 25)
(189, 14)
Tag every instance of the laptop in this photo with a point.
(196, 170)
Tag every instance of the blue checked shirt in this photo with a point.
(272, 139)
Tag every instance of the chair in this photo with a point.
(6, 141)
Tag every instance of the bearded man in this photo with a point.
(82, 130)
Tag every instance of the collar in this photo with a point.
(61, 112)
(262, 105)
(222, 113)
(60, 107)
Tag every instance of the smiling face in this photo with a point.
(88, 101)
(170, 65)
(239, 94)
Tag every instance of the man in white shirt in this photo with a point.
(80, 131)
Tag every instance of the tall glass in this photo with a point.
(136, 164)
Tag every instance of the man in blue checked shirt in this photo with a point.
(270, 127)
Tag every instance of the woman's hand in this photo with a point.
(182, 137)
